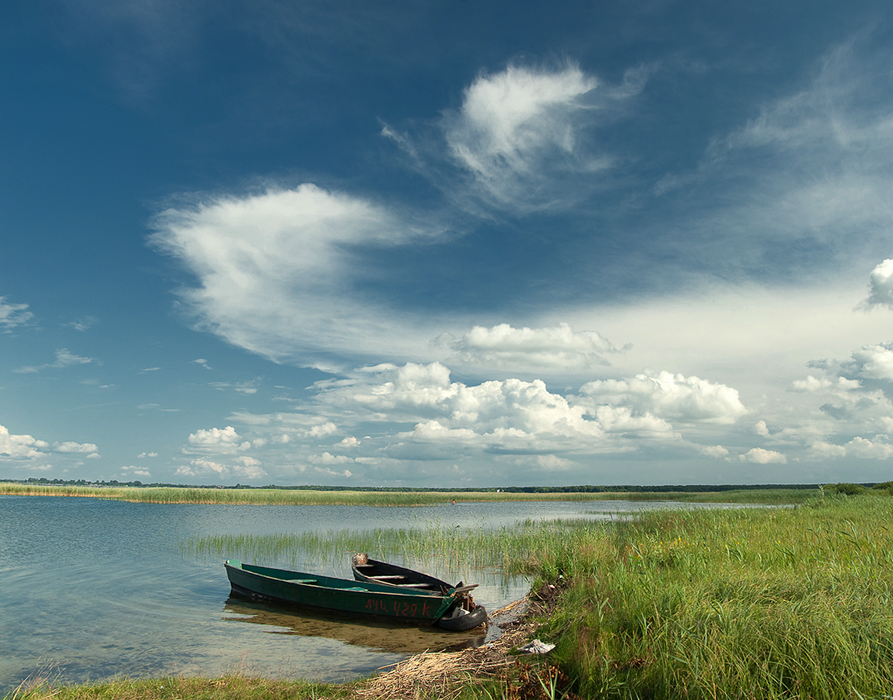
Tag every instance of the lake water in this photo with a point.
(94, 589)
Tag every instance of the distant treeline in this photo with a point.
(689, 488)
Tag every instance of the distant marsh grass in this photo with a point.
(386, 498)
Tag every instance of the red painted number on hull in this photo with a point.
(396, 608)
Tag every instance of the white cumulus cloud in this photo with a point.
(20, 446)
(880, 285)
(760, 456)
(215, 436)
(867, 449)
(244, 468)
(871, 362)
(670, 396)
(86, 448)
(216, 441)
(504, 346)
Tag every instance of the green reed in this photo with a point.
(236, 496)
(511, 550)
(277, 496)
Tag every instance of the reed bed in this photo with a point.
(274, 496)
(515, 550)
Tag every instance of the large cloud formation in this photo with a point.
(384, 419)
(275, 269)
(279, 272)
(672, 396)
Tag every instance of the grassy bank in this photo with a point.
(790, 603)
(223, 688)
(726, 603)
(271, 496)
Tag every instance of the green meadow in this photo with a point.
(782, 602)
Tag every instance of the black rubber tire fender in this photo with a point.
(460, 623)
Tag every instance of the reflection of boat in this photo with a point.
(463, 617)
(369, 633)
(341, 595)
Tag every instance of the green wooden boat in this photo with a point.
(342, 595)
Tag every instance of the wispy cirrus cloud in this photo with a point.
(520, 135)
(277, 270)
(64, 358)
(83, 324)
(522, 140)
(13, 315)
(802, 184)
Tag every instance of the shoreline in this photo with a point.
(435, 672)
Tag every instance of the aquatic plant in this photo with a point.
(282, 496)
(511, 551)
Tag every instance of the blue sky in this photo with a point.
(446, 243)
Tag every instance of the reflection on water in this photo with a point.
(380, 636)
(94, 589)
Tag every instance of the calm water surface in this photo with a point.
(93, 589)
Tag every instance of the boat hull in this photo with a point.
(370, 570)
(462, 617)
(354, 598)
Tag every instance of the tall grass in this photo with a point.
(790, 603)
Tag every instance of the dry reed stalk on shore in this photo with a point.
(435, 673)
(441, 674)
